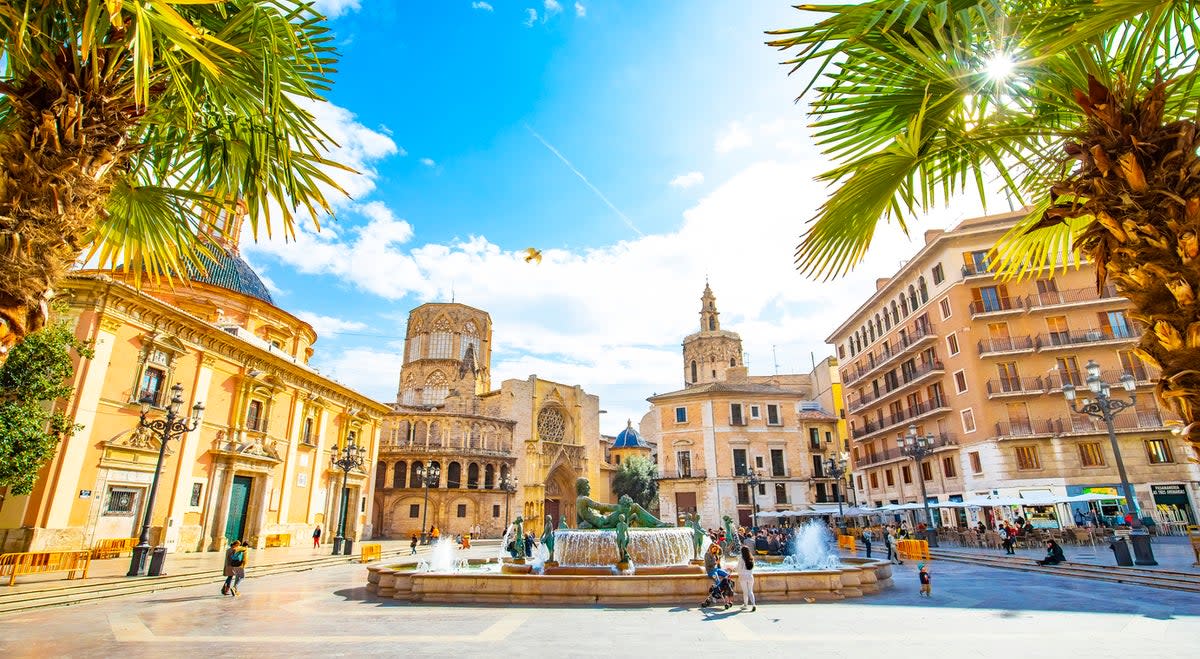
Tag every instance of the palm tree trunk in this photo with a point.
(55, 166)
(1140, 179)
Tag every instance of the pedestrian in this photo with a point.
(235, 567)
(1054, 554)
(867, 537)
(745, 574)
(412, 546)
(890, 542)
(926, 580)
(434, 533)
(317, 536)
(712, 560)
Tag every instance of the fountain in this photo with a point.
(621, 554)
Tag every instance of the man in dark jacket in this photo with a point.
(1054, 554)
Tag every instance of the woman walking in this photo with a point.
(745, 575)
(235, 567)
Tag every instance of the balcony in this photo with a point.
(905, 344)
(906, 379)
(976, 270)
(1028, 428)
(997, 307)
(1012, 387)
(1128, 420)
(943, 441)
(681, 475)
(1095, 336)
(1075, 297)
(907, 415)
(1009, 345)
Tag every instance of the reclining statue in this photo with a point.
(592, 514)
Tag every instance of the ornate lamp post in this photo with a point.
(508, 484)
(1106, 407)
(172, 427)
(752, 481)
(917, 449)
(836, 468)
(426, 474)
(351, 458)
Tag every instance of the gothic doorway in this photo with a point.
(560, 496)
(551, 508)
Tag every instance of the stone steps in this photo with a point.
(1169, 579)
(80, 591)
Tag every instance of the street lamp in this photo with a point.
(752, 481)
(172, 427)
(426, 474)
(836, 468)
(917, 448)
(1105, 407)
(352, 458)
(508, 484)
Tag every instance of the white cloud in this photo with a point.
(552, 8)
(483, 6)
(428, 162)
(357, 147)
(686, 181)
(580, 10)
(530, 16)
(335, 8)
(735, 136)
(328, 327)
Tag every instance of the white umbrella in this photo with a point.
(1092, 497)
(990, 501)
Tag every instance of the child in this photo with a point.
(926, 580)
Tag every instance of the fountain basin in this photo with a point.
(855, 578)
(647, 547)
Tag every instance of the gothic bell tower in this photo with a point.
(710, 353)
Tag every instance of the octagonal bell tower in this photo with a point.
(710, 353)
(448, 349)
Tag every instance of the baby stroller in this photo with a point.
(722, 589)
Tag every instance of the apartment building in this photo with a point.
(979, 364)
(726, 427)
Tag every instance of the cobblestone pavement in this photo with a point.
(975, 612)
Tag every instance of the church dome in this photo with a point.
(229, 270)
(629, 438)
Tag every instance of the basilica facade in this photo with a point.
(466, 458)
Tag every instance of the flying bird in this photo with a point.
(533, 254)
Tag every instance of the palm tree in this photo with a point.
(1083, 110)
(126, 126)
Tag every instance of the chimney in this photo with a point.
(881, 282)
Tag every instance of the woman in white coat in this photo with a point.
(745, 575)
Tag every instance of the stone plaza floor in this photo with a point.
(975, 612)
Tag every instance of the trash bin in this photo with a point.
(931, 537)
(348, 547)
(1142, 553)
(158, 557)
(1121, 552)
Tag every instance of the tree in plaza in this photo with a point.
(33, 379)
(1084, 110)
(127, 126)
(638, 478)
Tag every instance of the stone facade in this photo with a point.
(257, 465)
(980, 365)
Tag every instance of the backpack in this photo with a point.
(238, 559)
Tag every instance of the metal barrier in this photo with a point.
(846, 542)
(113, 547)
(36, 562)
(279, 540)
(371, 551)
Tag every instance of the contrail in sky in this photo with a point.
(624, 218)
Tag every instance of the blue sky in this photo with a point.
(680, 155)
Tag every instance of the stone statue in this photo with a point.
(622, 539)
(548, 537)
(519, 540)
(731, 536)
(595, 515)
(698, 534)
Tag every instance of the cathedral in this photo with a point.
(466, 458)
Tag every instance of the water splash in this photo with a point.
(812, 548)
(443, 558)
(647, 547)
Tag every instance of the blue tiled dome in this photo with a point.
(629, 438)
(229, 270)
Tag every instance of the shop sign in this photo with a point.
(1167, 490)
(85, 494)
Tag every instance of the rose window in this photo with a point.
(551, 426)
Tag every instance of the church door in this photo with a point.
(239, 502)
(551, 508)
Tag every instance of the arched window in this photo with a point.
(489, 477)
(454, 475)
(503, 472)
(436, 389)
(694, 378)
(414, 348)
(712, 323)
(895, 314)
(439, 345)
(473, 476)
(403, 433)
(468, 339)
(380, 475)
(887, 320)
(912, 297)
(254, 420)
(903, 306)
(923, 289)
(732, 362)
(414, 475)
(399, 473)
